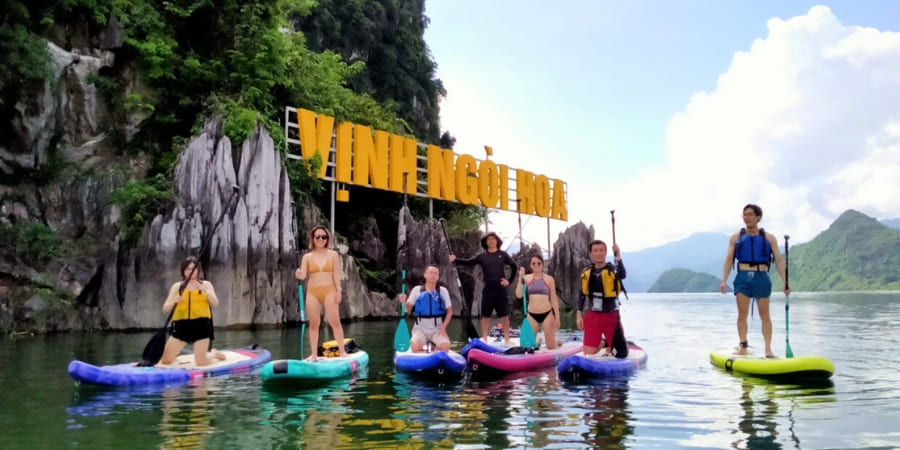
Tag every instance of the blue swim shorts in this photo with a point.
(753, 284)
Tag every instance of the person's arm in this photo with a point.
(554, 299)
(336, 274)
(513, 267)
(448, 305)
(620, 269)
(411, 299)
(210, 293)
(465, 261)
(779, 261)
(582, 299)
(522, 276)
(726, 266)
(301, 272)
(172, 299)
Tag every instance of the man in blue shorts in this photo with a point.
(754, 250)
(494, 296)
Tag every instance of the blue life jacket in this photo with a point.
(429, 304)
(753, 250)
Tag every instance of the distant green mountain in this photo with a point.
(700, 252)
(893, 223)
(684, 280)
(856, 252)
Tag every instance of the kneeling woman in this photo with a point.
(543, 304)
(193, 299)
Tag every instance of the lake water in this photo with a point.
(678, 401)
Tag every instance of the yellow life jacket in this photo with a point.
(330, 349)
(193, 305)
(611, 284)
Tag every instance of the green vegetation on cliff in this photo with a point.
(684, 280)
(855, 253)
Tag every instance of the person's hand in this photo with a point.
(196, 286)
(504, 282)
(521, 271)
(722, 288)
(579, 322)
(452, 257)
(787, 292)
(615, 249)
(401, 297)
(297, 274)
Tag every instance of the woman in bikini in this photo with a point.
(323, 287)
(543, 304)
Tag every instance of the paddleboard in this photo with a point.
(488, 359)
(323, 369)
(580, 365)
(436, 362)
(181, 371)
(779, 369)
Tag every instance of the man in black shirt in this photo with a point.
(493, 297)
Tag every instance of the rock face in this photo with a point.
(418, 245)
(242, 236)
(570, 257)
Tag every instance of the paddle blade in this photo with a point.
(153, 351)
(526, 334)
(401, 336)
(788, 353)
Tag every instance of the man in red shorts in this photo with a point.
(598, 303)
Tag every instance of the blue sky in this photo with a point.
(676, 114)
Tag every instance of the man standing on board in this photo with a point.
(754, 250)
(493, 262)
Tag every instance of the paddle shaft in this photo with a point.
(470, 330)
(788, 353)
(301, 302)
(612, 215)
(234, 190)
(154, 349)
(526, 334)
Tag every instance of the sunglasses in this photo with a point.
(537, 263)
(321, 237)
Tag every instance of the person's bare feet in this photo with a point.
(219, 355)
(740, 351)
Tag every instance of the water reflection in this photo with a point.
(758, 422)
(427, 409)
(185, 418)
(760, 401)
(307, 417)
(606, 420)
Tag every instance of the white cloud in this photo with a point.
(805, 124)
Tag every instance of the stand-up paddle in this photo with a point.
(788, 353)
(401, 336)
(526, 334)
(612, 215)
(301, 302)
(471, 332)
(154, 349)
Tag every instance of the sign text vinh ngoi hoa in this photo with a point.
(353, 155)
